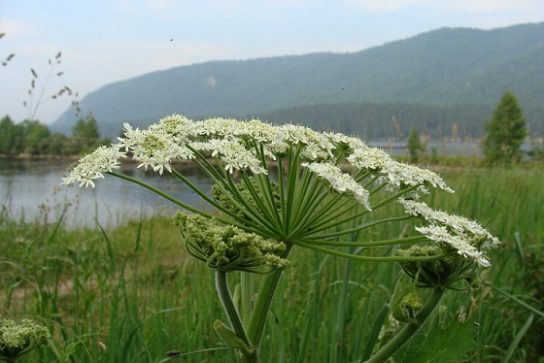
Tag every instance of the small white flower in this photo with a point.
(400, 173)
(441, 235)
(395, 174)
(92, 166)
(174, 125)
(464, 227)
(369, 158)
(158, 145)
(316, 145)
(233, 154)
(339, 139)
(340, 182)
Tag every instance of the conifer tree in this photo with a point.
(505, 132)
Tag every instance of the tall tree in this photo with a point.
(7, 135)
(33, 135)
(86, 128)
(505, 132)
(86, 136)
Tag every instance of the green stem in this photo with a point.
(292, 177)
(327, 224)
(329, 220)
(245, 295)
(408, 330)
(268, 185)
(228, 305)
(380, 243)
(281, 189)
(359, 228)
(264, 209)
(203, 195)
(263, 225)
(187, 206)
(369, 258)
(161, 193)
(302, 225)
(308, 199)
(263, 303)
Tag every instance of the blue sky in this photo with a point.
(105, 41)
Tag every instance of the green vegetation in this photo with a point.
(444, 69)
(506, 131)
(132, 294)
(415, 146)
(387, 119)
(34, 138)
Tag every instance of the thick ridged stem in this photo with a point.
(408, 331)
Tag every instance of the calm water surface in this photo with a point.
(31, 190)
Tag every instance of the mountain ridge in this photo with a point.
(446, 67)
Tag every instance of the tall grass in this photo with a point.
(132, 294)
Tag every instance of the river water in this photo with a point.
(31, 190)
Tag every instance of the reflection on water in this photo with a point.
(31, 190)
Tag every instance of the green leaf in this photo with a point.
(435, 344)
(517, 339)
(230, 337)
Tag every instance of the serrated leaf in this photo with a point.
(436, 344)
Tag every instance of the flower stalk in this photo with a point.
(223, 292)
(408, 331)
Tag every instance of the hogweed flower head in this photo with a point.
(18, 338)
(276, 187)
(287, 183)
(228, 248)
(437, 273)
(93, 166)
(467, 237)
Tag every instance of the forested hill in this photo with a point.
(416, 81)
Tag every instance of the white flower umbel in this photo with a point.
(399, 174)
(441, 234)
(340, 182)
(92, 166)
(467, 229)
(394, 173)
(175, 125)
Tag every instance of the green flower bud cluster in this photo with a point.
(227, 248)
(18, 338)
(406, 300)
(226, 199)
(438, 273)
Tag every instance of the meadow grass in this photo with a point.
(132, 294)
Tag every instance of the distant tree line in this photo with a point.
(375, 121)
(34, 138)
